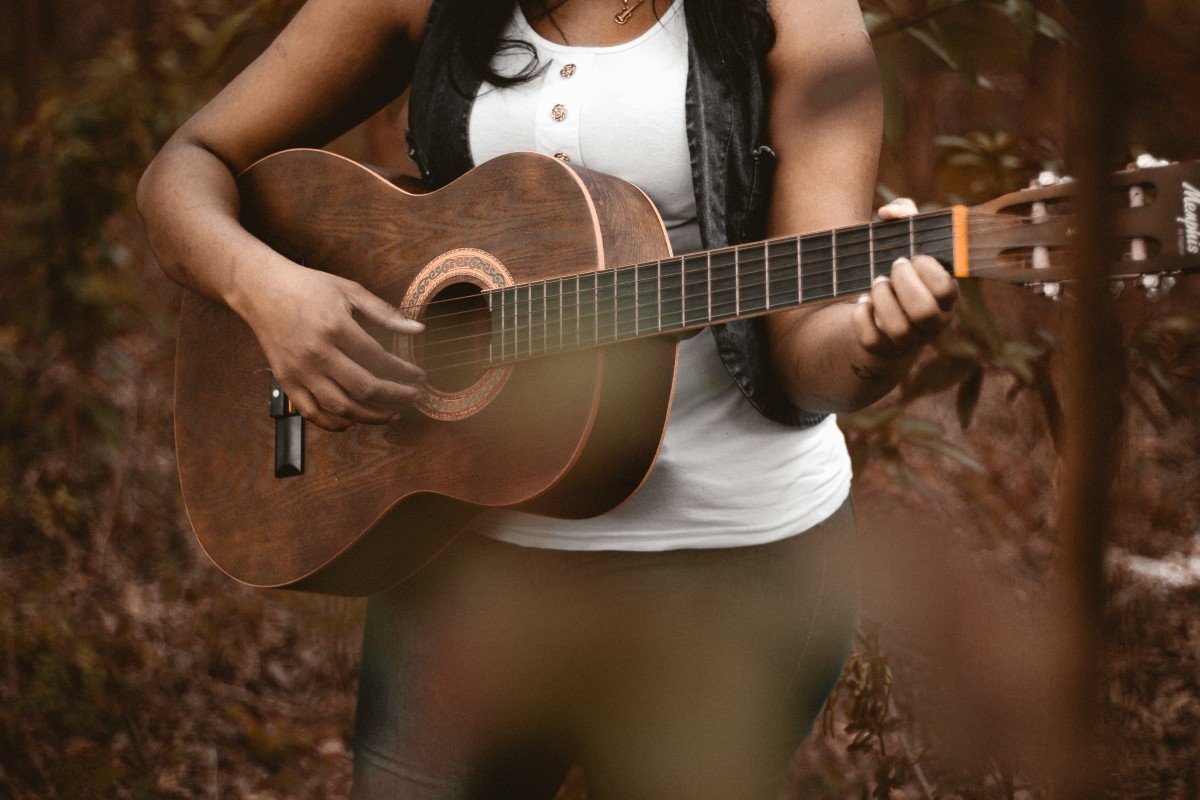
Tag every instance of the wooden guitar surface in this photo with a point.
(568, 435)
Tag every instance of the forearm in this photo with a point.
(189, 202)
(823, 367)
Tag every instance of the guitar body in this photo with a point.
(569, 435)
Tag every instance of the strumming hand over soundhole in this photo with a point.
(450, 296)
(453, 349)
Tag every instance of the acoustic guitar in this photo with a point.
(552, 304)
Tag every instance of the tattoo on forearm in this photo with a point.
(866, 373)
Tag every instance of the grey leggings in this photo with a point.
(681, 675)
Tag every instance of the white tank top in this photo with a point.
(725, 476)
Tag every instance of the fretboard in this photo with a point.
(706, 288)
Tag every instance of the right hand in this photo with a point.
(334, 372)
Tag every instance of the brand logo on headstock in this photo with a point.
(1191, 218)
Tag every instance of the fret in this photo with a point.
(637, 301)
(508, 318)
(932, 236)
(871, 250)
(606, 306)
(625, 326)
(722, 284)
(766, 247)
(833, 270)
(800, 256)
(737, 281)
(553, 318)
(708, 285)
(891, 241)
(854, 260)
(783, 282)
(537, 318)
(570, 313)
(496, 341)
(670, 296)
(648, 294)
(521, 321)
(753, 278)
(817, 266)
(695, 289)
(502, 313)
(589, 318)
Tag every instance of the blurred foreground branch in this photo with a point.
(1095, 375)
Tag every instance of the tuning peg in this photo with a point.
(1116, 287)
(1046, 177)
(1051, 289)
(1157, 286)
(1147, 161)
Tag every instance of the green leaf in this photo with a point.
(916, 428)
(955, 452)
(875, 19)
(936, 376)
(949, 141)
(1025, 21)
(1049, 27)
(951, 50)
(968, 398)
(936, 47)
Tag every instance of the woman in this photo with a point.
(681, 644)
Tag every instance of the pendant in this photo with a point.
(622, 16)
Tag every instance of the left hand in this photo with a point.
(907, 310)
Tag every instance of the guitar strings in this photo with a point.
(535, 328)
(1010, 220)
(586, 340)
(817, 268)
(815, 264)
(884, 243)
(629, 289)
(820, 292)
(549, 347)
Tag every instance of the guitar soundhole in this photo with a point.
(453, 351)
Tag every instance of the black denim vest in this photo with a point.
(732, 169)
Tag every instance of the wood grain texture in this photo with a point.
(375, 502)
(639, 376)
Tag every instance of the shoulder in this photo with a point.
(411, 15)
(812, 32)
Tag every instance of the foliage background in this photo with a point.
(130, 668)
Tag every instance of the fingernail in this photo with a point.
(900, 261)
(864, 298)
(880, 279)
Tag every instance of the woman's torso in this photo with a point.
(725, 475)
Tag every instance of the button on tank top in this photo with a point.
(725, 476)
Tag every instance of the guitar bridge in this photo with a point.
(289, 434)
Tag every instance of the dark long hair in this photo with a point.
(729, 32)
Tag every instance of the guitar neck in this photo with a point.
(705, 288)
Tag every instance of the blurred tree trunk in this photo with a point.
(1095, 376)
(28, 58)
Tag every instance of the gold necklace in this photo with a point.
(622, 16)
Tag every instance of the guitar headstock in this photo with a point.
(1023, 237)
